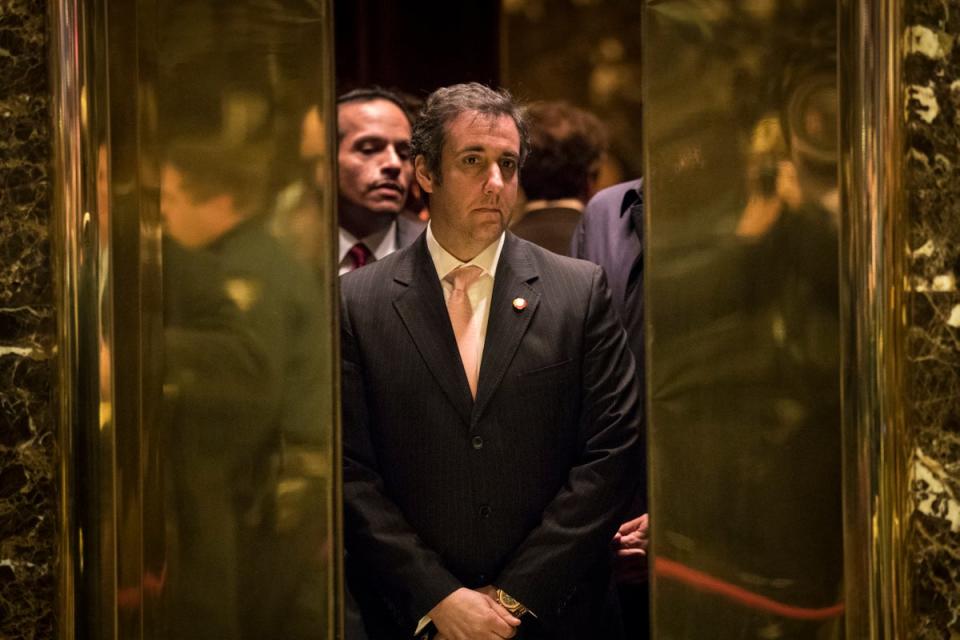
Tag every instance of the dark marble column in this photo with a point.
(931, 82)
(28, 490)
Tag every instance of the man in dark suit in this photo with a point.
(491, 410)
(375, 171)
(610, 234)
(566, 147)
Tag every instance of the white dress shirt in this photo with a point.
(482, 290)
(381, 244)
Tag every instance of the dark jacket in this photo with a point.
(522, 488)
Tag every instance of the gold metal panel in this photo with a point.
(240, 471)
(742, 276)
(200, 403)
(872, 258)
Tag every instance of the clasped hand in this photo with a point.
(466, 614)
(630, 545)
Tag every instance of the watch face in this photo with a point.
(507, 601)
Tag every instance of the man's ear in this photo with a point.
(422, 173)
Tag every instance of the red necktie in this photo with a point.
(360, 255)
(461, 316)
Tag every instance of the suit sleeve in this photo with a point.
(580, 521)
(377, 535)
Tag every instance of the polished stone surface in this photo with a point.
(28, 492)
(932, 97)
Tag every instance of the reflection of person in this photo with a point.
(297, 216)
(211, 201)
(566, 148)
(375, 171)
(611, 235)
(491, 432)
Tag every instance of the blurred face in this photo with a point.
(190, 222)
(375, 169)
(471, 204)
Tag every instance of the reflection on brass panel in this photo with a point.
(742, 279)
(244, 462)
(198, 296)
(873, 249)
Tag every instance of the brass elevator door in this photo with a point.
(204, 482)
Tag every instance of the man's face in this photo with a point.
(374, 155)
(471, 205)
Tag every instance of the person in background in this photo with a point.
(374, 175)
(610, 234)
(567, 146)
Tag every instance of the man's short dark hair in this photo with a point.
(566, 144)
(369, 94)
(210, 168)
(445, 104)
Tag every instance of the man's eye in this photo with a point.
(508, 165)
(471, 160)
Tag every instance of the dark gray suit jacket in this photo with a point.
(522, 488)
(609, 236)
(408, 230)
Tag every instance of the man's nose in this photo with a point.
(392, 162)
(494, 183)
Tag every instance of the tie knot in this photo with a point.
(360, 255)
(462, 277)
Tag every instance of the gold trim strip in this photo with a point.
(330, 282)
(81, 226)
(65, 245)
(871, 300)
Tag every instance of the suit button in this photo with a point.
(477, 442)
(484, 511)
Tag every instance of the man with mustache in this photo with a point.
(375, 171)
(491, 409)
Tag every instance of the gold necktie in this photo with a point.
(461, 315)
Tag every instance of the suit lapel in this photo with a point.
(419, 302)
(506, 325)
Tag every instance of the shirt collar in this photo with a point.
(631, 196)
(445, 262)
(381, 243)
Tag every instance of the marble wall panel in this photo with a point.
(931, 84)
(28, 493)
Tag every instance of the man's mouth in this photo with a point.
(388, 186)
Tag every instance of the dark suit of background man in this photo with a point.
(374, 173)
(611, 235)
(490, 446)
(566, 147)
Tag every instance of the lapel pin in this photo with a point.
(519, 304)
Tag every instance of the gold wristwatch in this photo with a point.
(510, 603)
